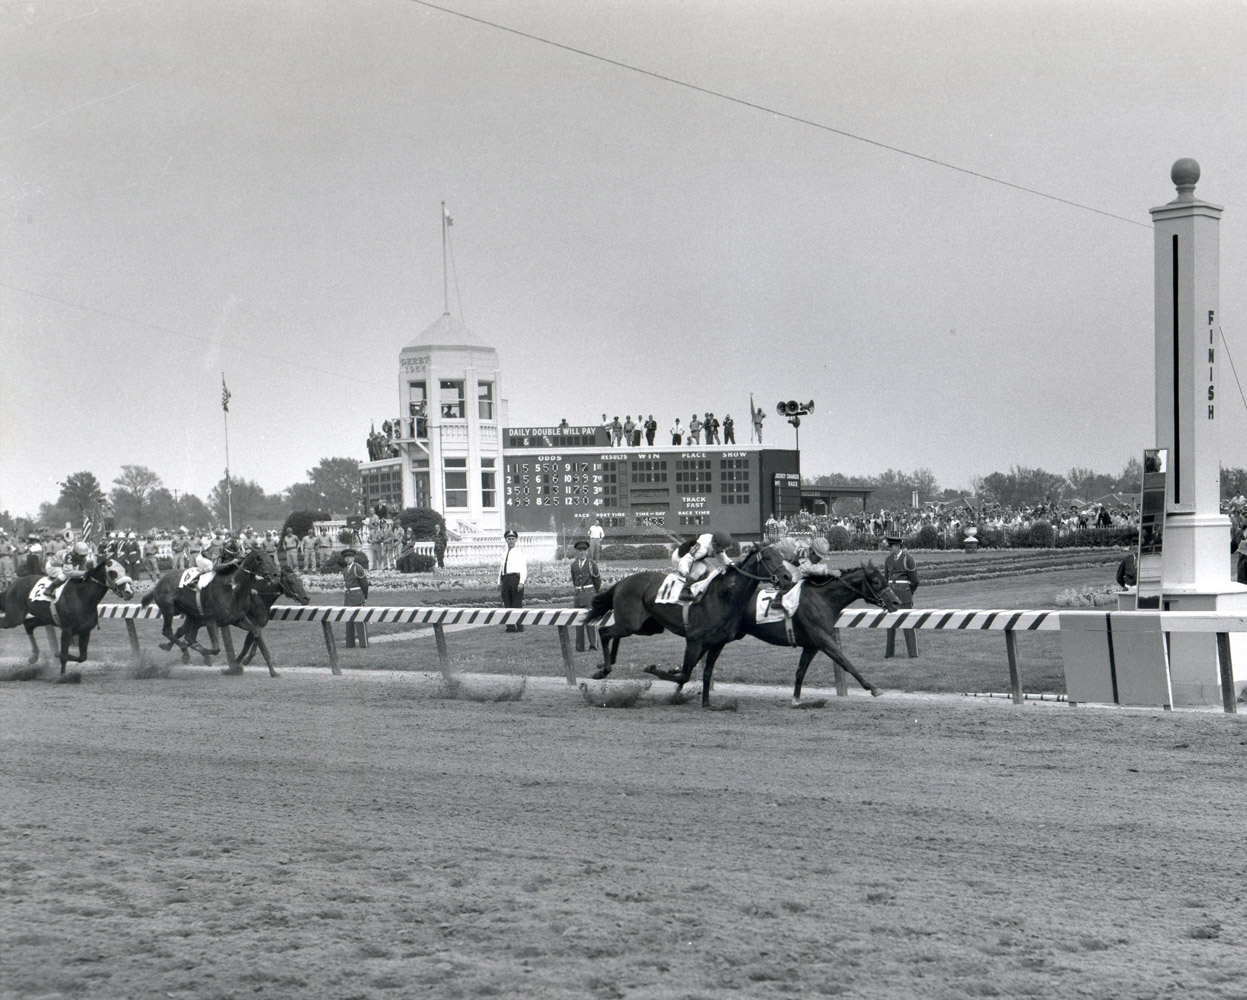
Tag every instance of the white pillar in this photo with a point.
(1196, 567)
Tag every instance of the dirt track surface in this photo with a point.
(359, 837)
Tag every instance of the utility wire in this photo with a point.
(1230, 358)
(781, 114)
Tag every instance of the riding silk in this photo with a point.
(46, 589)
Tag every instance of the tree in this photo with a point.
(1087, 484)
(1022, 487)
(1131, 478)
(132, 495)
(82, 493)
(332, 486)
(1233, 481)
(422, 521)
(248, 501)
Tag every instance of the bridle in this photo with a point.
(771, 577)
(867, 591)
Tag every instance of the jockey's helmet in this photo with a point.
(81, 549)
(820, 549)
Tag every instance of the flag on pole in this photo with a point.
(449, 220)
(88, 527)
(225, 394)
(752, 422)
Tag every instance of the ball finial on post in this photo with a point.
(1185, 175)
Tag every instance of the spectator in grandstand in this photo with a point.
(512, 575)
(616, 429)
(651, 428)
(694, 430)
(729, 430)
(629, 430)
(677, 432)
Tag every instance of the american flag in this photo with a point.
(88, 527)
(225, 394)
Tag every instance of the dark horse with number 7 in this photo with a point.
(76, 607)
(712, 622)
(813, 624)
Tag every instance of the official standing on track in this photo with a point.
(902, 574)
(512, 575)
(586, 581)
(356, 578)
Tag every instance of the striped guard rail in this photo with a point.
(384, 615)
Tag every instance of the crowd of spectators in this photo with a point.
(948, 525)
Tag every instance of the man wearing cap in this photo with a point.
(512, 575)
(7, 552)
(131, 555)
(586, 581)
(356, 578)
(902, 575)
(180, 546)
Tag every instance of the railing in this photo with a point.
(1008, 622)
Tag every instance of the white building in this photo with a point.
(447, 453)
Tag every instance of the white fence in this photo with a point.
(1009, 622)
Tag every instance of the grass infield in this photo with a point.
(948, 662)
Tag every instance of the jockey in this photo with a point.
(807, 561)
(230, 558)
(69, 563)
(694, 557)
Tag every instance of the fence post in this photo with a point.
(1229, 697)
(133, 634)
(331, 645)
(1015, 674)
(569, 662)
(443, 657)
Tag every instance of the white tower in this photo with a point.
(451, 442)
(1196, 573)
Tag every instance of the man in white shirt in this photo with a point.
(596, 534)
(512, 575)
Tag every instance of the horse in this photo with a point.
(76, 606)
(714, 621)
(224, 601)
(263, 595)
(813, 623)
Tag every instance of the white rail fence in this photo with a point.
(1010, 622)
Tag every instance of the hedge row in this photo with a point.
(1039, 535)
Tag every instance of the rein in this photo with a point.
(866, 593)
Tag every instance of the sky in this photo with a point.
(930, 218)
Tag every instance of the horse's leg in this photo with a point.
(610, 646)
(693, 650)
(832, 648)
(258, 636)
(66, 636)
(34, 645)
(707, 673)
(233, 665)
(807, 655)
(247, 653)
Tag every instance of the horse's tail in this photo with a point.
(603, 601)
(147, 598)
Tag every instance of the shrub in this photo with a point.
(928, 537)
(839, 538)
(649, 550)
(416, 562)
(422, 521)
(335, 563)
(301, 521)
(1041, 535)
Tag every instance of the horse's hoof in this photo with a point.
(186, 657)
(166, 646)
(33, 660)
(876, 692)
(678, 698)
(601, 675)
(815, 703)
(273, 673)
(231, 671)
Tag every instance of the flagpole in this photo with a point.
(229, 490)
(445, 279)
